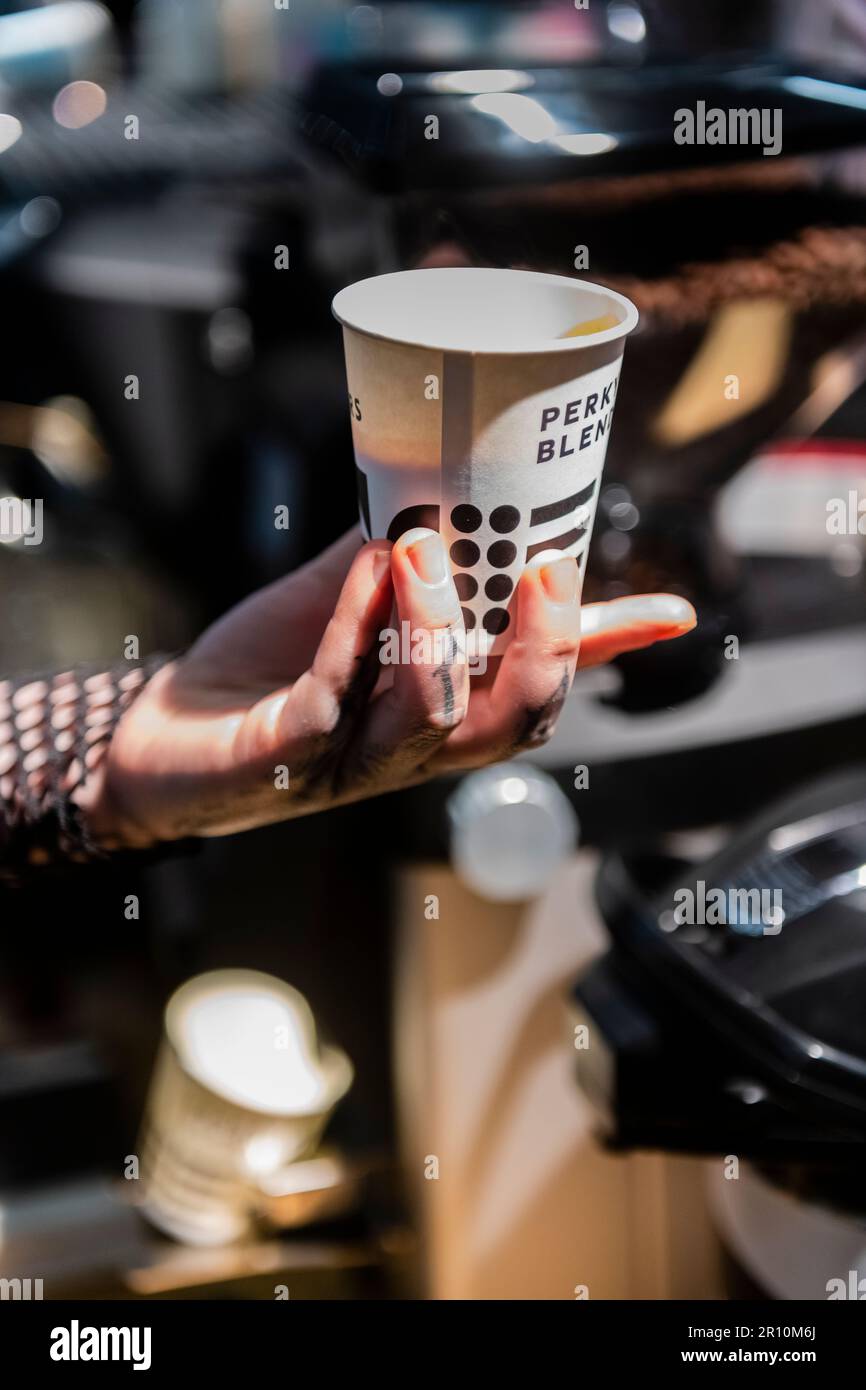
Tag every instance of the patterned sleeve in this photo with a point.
(54, 733)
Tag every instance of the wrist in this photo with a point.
(56, 798)
(112, 799)
(102, 811)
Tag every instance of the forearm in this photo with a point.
(55, 733)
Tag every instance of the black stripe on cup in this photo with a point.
(556, 542)
(552, 511)
(363, 499)
(426, 514)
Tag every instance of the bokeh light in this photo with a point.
(78, 104)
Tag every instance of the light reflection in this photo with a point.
(305, 1175)
(33, 34)
(524, 115)
(264, 1153)
(514, 790)
(10, 131)
(624, 516)
(615, 546)
(627, 23)
(65, 441)
(835, 92)
(481, 80)
(590, 142)
(390, 84)
(40, 216)
(79, 104)
(846, 559)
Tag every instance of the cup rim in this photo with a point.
(335, 1062)
(341, 308)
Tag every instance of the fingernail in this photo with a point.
(381, 565)
(559, 580)
(427, 556)
(659, 610)
(669, 608)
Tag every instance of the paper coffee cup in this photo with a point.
(481, 403)
(241, 1089)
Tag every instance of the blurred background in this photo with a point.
(557, 1092)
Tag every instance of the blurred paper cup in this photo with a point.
(241, 1089)
(481, 403)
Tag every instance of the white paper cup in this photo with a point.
(241, 1089)
(473, 414)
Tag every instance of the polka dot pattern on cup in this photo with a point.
(502, 554)
(465, 553)
(489, 535)
(468, 520)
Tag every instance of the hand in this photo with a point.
(283, 707)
